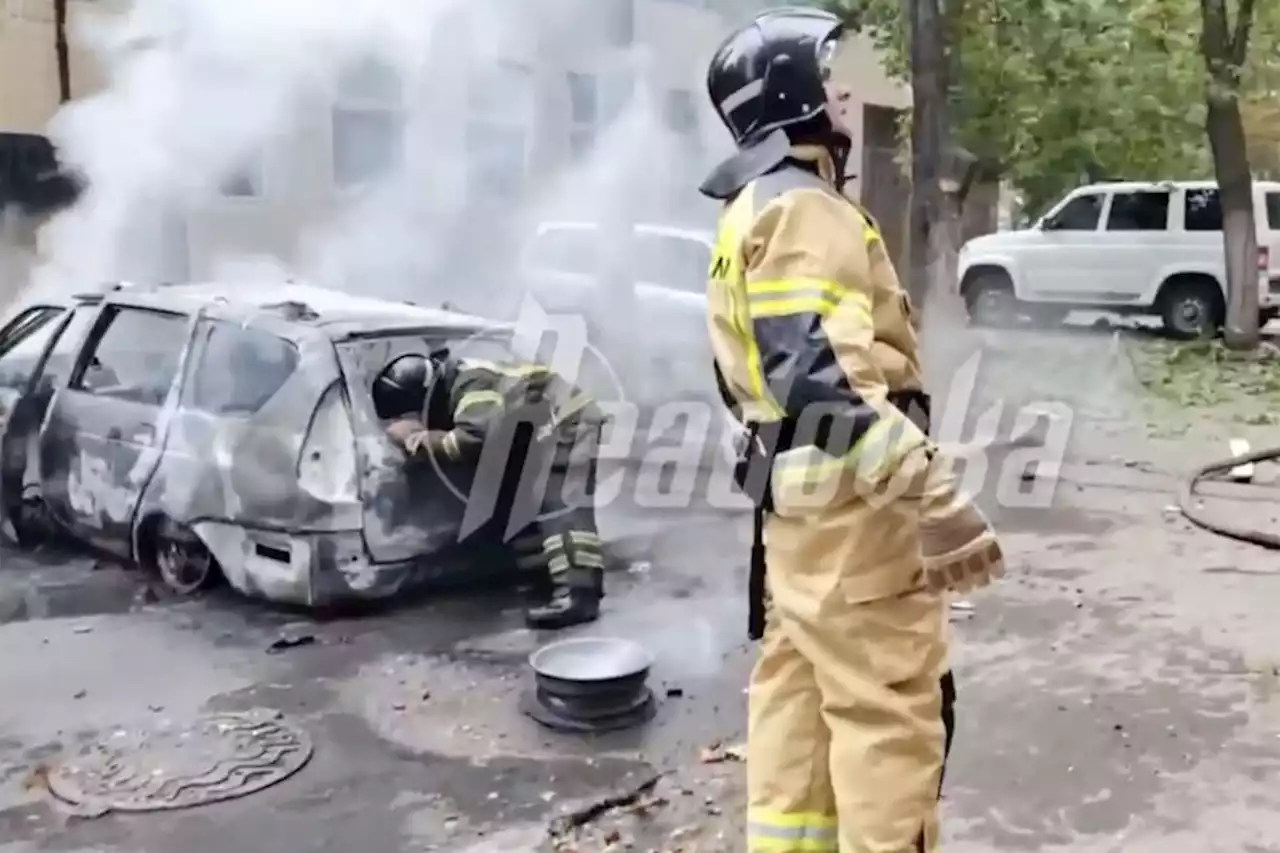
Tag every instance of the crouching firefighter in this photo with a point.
(530, 440)
(858, 516)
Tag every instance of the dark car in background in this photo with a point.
(224, 431)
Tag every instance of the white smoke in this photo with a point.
(197, 89)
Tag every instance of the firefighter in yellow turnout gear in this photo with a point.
(858, 517)
(514, 424)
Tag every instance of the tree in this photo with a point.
(61, 51)
(1224, 45)
(1047, 93)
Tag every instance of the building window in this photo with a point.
(679, 112)
(584, 112)
(246, 181)
(500, 113)
(621, 22)
(40, 11)
(368, 124)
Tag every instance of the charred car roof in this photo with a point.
(338, 315)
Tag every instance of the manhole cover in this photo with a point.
(218, 757)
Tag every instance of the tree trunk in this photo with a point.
(1239, 232)
(928, 141)
(60, 46)
(1225, 49)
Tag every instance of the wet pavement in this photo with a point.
(1119, 691)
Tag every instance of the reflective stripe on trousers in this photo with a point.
(574, 549)
(791, 832)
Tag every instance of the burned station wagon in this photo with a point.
(210, 431)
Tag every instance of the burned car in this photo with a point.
(222, 431)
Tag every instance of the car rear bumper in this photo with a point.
(307, 569)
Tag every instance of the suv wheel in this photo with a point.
(990, 301)
(1192, 308)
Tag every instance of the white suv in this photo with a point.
(1144, 248)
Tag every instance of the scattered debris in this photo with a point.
(1241, 473)
(719, 753)
(639, 798)
(675, 692)
(290, 642)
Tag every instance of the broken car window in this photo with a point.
(135, 356)
(240, 369)
(62, 355)
(22, 343)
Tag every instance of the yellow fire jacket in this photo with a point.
(806, 313)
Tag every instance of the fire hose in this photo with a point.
(1194, 514)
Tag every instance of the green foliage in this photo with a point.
(1056, 92)
(1205, 375)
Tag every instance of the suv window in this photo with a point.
(567, 250)
(1079, 214)
(1273, 211)
(1202, 210)
(23, 341)
(134, 355)
(240, 370)
(677, 262)
(1139, 211)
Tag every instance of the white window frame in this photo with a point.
(393, 104)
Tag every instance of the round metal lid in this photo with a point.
(589, 659)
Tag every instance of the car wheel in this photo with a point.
(1192, 308)
(991, 302)
(182, 561)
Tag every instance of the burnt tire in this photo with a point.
(990, 300)
(179, 559)
(1192, 308)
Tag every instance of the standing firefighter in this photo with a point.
(860, 521)
(531, 440)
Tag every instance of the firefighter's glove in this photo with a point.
(418, 442)
(961, 551)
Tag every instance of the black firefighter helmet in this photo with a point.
(400, 389)
(770, 74)
(767, 84)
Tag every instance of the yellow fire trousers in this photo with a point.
(846, 741)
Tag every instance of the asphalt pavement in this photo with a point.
(1119, 691)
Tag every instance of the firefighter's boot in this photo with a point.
(568, 607)
(574, 604)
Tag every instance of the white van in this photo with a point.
(1144, 248)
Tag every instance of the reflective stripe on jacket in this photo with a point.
(483, 393)
(806, 314)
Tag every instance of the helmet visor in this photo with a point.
(827, 53)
